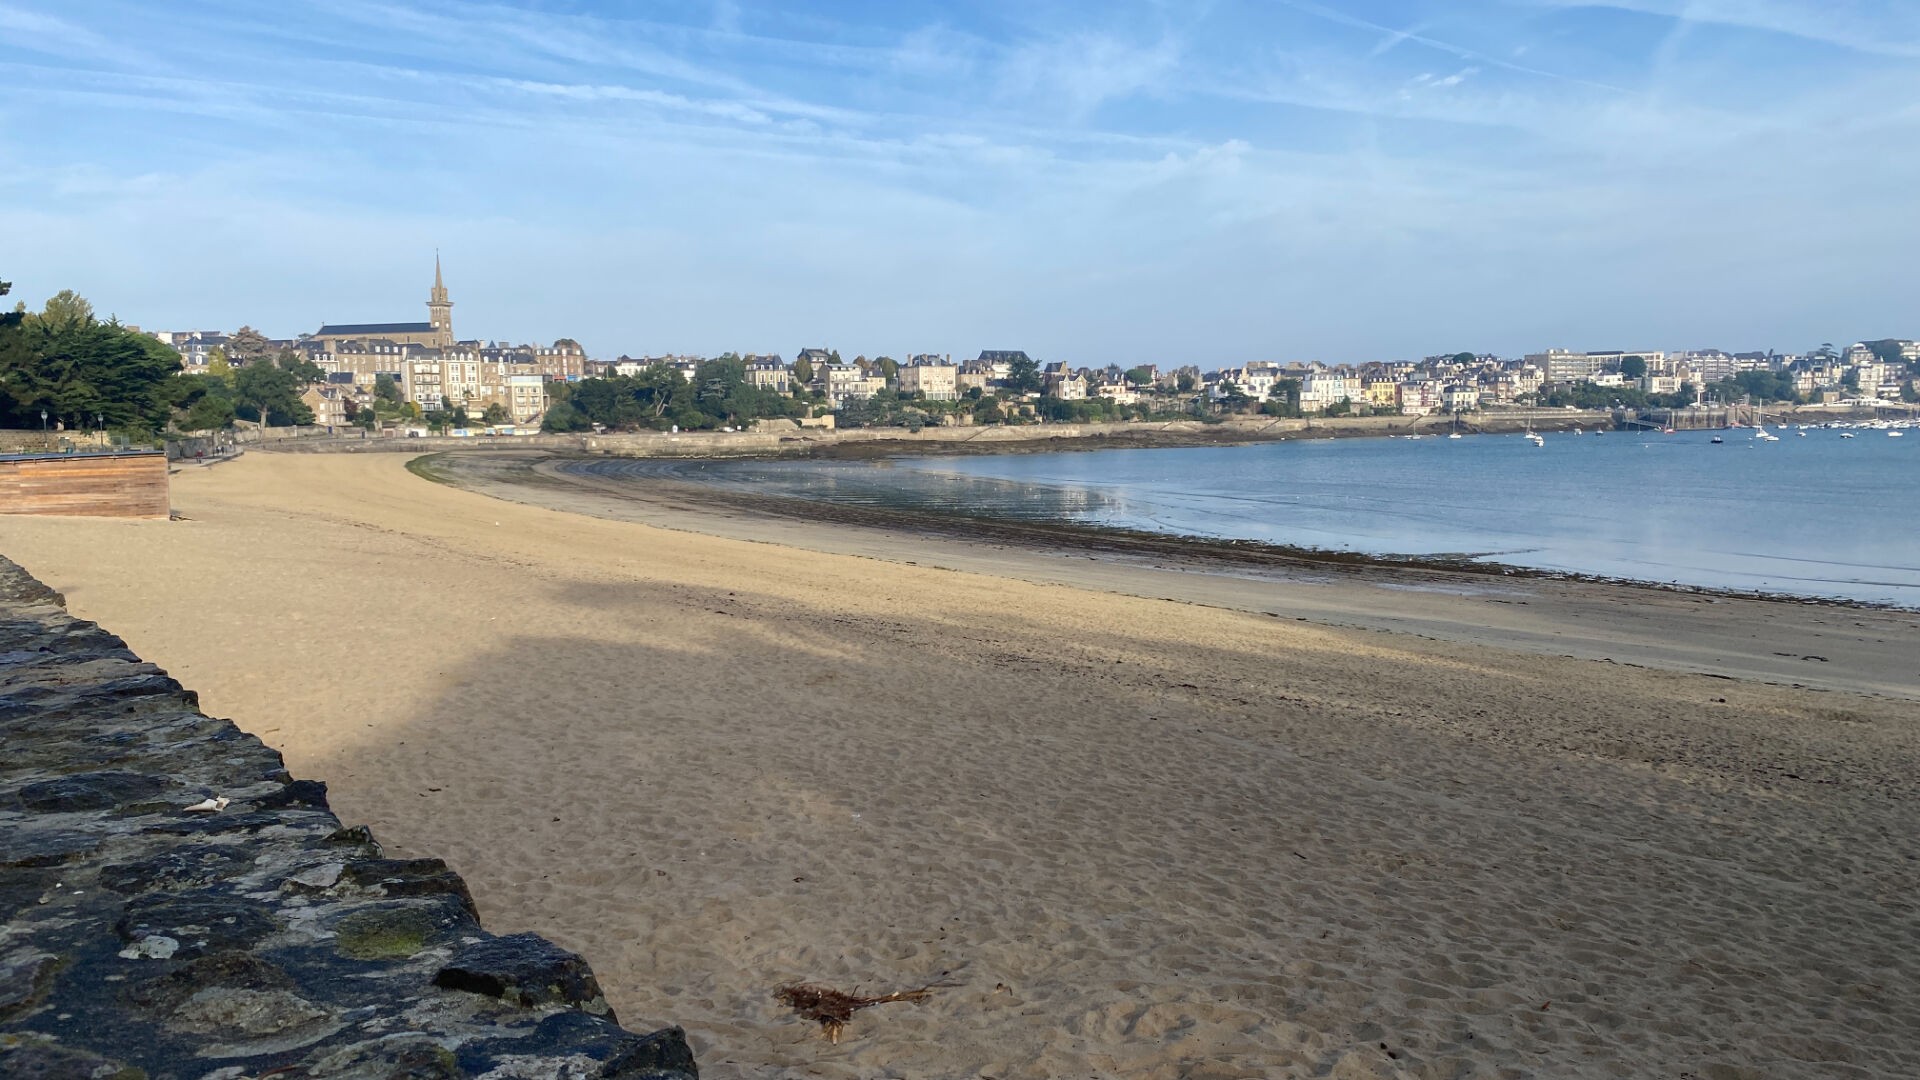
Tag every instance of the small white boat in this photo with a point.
(1846, 434)
(1535, 438)
(1895, 434)
(1455, 435)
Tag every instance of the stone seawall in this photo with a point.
(142, 937)
(805, 442)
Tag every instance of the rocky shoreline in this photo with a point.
(175, 904)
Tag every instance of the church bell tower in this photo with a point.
(439, 308)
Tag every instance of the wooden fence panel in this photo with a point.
(93, 485)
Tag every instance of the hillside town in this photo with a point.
(420, 375)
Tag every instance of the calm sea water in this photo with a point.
(1812, 515)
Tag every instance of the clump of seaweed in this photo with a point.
(834, 1009)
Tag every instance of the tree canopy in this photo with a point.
(246, 345)
(82, 372)
(269, 392)
(1023, 375)
(1761, 386)
(660, 397)
(1886, 350)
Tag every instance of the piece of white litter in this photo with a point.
(153, 947)
(209, 806)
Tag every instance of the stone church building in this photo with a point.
(436, 332)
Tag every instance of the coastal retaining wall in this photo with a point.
(125, 484)
(802, 442)
(143, 939)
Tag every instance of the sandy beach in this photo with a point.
(1133, 822)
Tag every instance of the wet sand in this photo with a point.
(1818, 644)
(1136, 836)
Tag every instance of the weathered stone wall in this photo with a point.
(18, 441)
(139, 938)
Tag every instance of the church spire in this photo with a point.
(439, 308)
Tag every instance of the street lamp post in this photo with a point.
(43, 421)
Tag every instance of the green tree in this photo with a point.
(386, 388)
(305, 371)
(1633, 367)
(210, 413)
(1887, 351)
(1463, 358)
(66, 311)
(889, 367)
(271, 394)
(246, 345)
(496, 415)
(1232, 397)
(562, 417)
(1139, 376)
(1284, 398)
(82, 372)
(15, 354)
(202, 403)
(803, 371)
(219, 367)
(1023, 375)
(9, 318)
(1761, 386)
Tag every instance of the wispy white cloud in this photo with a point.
(1092, 184)
(1321, 11)
(1880, 27)
(1078, 73)
(32, 31)
(1429, 81)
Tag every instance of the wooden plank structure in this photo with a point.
(127, 484)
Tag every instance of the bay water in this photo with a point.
(1811, 515)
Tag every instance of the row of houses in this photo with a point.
(469, 375)
(1877, 369)
(474, 374)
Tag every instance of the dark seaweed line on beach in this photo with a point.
(669, 483)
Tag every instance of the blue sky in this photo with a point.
(1171, 182)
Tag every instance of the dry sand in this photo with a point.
(1138, 838)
